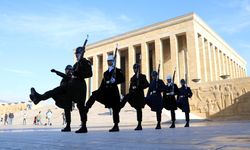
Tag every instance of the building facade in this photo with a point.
(185, 44)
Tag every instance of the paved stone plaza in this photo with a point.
(201, 135)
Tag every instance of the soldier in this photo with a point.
(108, 93)
(65, 79)
(135, 97)
(169, 101)
(182, 100)
(74, 90)
(154, 98)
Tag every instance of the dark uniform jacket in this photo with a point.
(108, 93)
(182, 98)
(169, 101)
(75, 88)
(154, 97)
(136, 97)
(65, 78)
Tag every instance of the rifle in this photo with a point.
(158, 72)
(83, 47)
(82, 53)
(114, 65)
(173, 79)
(138, 72)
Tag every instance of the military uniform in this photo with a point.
(136, 97)
(182, 101)
(154, 98)
(108, 93)
(169, 101)
(73, 90)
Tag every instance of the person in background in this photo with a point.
(11, 117)
(24, 117)
(6, 119)
(48, 117)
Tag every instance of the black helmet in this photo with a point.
(183, 81)
(68, 67)
(136, 66)
(79, 50)
(154, 73)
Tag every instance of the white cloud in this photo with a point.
(61, 27)
(19, 72)
(124, 18)
(238, 18)
(245, 46)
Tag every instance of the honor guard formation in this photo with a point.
(72, 89)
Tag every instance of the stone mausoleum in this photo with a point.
(215, 72)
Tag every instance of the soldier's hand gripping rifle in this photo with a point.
(114, 64)
(82, 52)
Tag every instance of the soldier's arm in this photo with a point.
(176, 90)
(144, 84)
(119, 77)
(59, 73)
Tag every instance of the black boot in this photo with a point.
(34, 96)
(139, 127)
(115, 128)
(158, 126)
(172, 125)
(83, 129)
(67, 128)
(187, 124)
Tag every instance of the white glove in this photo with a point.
(170, 93)
(112, 80)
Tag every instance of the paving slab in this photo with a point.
(212, 135)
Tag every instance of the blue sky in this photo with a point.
(36, 36)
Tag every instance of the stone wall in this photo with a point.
(12, 107)
(225, 99)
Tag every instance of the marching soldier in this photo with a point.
(182, 100)
(65, 79)
(154, 97)
(135, 97)
(108, 93)
(74, 90)
(169, 101)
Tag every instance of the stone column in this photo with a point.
(95, 72)
(219, 63)
(214, 63)
(159, 57)
(105, 64)
(145, 60)
(230, 68)
(209, 59)
(174, 57)
(118, 59)
(234, 71)
(227, 65)
(205, 73)
(131, 60)
(193, 55)
(222, 63)
(237, 70)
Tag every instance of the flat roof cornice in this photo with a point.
(159, 25)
